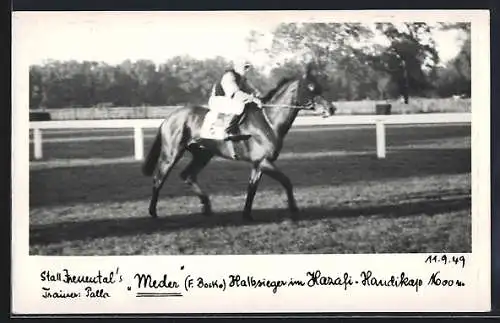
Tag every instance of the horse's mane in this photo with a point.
(272, 92)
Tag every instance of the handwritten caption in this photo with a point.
(99, 285)
(89, 286)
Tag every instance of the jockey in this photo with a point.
(235, 85)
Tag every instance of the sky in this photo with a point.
(113, 37)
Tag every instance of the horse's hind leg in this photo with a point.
(189, 175)
(165, 164)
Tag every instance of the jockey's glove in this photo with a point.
(247, 98)
(243, 97)
(258, 102)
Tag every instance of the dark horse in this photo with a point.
(267, 126)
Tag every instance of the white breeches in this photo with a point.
(223, 104)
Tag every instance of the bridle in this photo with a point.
(309, 105)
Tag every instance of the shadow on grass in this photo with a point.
(124, 182)
(102, 228)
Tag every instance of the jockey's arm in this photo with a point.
(232, 90)
(253, 89)
(228, 83)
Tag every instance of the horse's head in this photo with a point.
(309, 94)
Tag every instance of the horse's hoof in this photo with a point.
(207, 212)
(294, 213)
(247, 216)
(153, 214)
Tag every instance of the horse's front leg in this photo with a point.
(255, 177)
(275, 173)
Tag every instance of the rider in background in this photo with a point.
(234, 85)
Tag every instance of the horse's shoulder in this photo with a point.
(257, 115)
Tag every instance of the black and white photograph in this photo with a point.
(294, 163)
(249, 133)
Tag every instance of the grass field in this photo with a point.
(416, 200)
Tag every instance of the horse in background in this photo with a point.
(267, 126)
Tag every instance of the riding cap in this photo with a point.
(241, 65)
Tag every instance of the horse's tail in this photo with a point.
(152, 158)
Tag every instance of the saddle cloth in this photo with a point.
(221, 111)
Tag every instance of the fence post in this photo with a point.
(138, 143)
(380, 129)
(37, 137)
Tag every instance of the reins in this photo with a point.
(283, 106)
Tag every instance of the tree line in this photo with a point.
(408, 65)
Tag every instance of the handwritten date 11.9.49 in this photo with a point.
(444, 259)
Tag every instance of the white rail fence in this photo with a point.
(380, 121)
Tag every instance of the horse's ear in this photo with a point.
(310, 70)
(307, 71)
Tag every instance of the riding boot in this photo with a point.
(232, 152)
(232, 129)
